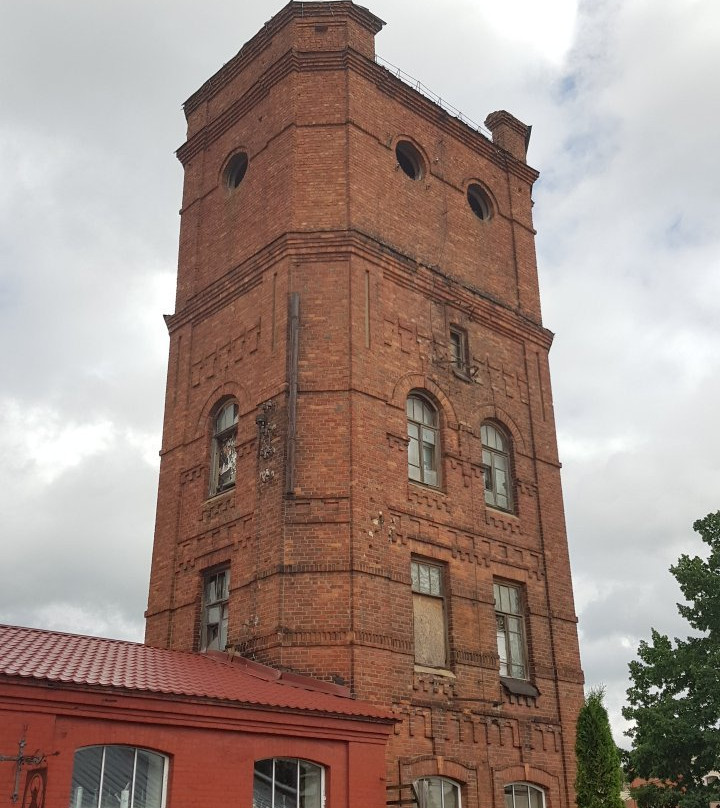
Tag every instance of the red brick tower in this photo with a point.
(359, 475)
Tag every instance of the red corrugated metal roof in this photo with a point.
(75, 659)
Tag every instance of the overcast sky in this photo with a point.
(624, 100)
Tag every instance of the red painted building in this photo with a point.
(96, 721)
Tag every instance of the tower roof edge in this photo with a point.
(323, 12)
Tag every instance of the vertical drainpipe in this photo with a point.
(292, 375)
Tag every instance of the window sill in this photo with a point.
(220, 494)
(425, 487)
(519, 687)
(462, 374)
(500, 510)
(444, 672)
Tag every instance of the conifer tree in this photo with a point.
(674, 698)
(599, 777)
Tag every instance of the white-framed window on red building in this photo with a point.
(288, 783)
(121, 776)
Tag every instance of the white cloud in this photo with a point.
(94, 620)
(546, 27)
(44, 443)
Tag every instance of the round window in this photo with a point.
(479, 201)
(409, 159)
(236, 169)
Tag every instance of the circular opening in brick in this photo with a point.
(479, 201)
(409, 159)
(236, 169)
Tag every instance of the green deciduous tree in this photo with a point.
(674, 698)
(599, 778)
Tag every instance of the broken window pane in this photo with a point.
(436, 792)
(215, 611)
(496, 467)
(510, 631)
(224, 449)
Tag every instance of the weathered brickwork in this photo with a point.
(322, 523)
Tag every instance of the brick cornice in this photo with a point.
(251, 49)
(304, 639)
(396, 89)
(437, 284)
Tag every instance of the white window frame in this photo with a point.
(530, 787)
(297, 761)
(420, 791)
(76, 799)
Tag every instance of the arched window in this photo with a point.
(121, 776)
(436, 792)
(423, 446)
(224, 451)
(523, 795)
(287, 783)
(496, 465)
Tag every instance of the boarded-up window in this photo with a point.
(430, 628)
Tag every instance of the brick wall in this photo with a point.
(382, 265)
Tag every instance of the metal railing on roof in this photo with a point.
(406, 78)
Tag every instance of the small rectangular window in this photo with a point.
(459, 350)
(216, 592)
(510, 621)
(429, 614)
